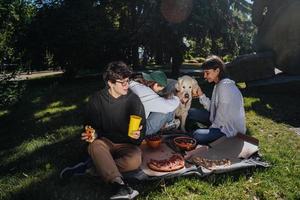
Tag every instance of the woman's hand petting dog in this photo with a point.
(197, 92)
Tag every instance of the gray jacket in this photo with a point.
(226, 108)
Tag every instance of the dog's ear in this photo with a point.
(178, 84)
(195, 87)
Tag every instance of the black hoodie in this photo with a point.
(110, 116)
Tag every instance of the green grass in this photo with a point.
(40, 135)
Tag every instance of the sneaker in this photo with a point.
(200, 125)
(125, 192)
(76, 170)
(174, 124)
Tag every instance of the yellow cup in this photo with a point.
(134, 124)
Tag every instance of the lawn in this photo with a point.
(39, 136)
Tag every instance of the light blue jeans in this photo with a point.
(156, 121)
(204, 136)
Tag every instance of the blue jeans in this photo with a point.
(156, 121)
(204, 136)
(199, 115)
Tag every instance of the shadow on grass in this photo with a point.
(277, 102)
(51, 160)
(34, 116)
(57, 154)
(52, 188)
(41, 133)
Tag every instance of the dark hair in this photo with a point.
(116, 70)
(215, 62)
(141, 80)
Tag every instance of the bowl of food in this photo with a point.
(154, 141)
(185, 143)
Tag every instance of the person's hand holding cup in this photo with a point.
(136, 134)
(134, 128)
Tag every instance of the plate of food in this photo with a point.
(210, 164)
(174, 163)
(185, 143)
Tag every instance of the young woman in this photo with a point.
(159, 111)
(224, 112)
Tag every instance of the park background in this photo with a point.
(40, 118)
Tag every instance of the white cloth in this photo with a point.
(226, 108)
(153, 102)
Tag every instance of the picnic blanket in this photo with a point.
(241, 150)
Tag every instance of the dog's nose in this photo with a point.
(186, 95)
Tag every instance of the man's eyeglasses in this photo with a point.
(123, 83)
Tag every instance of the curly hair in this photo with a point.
(116, 70)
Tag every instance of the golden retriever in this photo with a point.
(186, 87)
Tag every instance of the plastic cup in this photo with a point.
(134, 124)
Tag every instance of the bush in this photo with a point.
(10, 89)
(200, 59)
(227, 58)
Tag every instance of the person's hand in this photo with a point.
(137, 134)
(88, 137)
(197, 92)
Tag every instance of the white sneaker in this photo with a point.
(172, 125)
(125, 192)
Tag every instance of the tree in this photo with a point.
(89, 33)
(15, 16)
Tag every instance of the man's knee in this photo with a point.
(132, 160)
(96, 144)
(135, 158)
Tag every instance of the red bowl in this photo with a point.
(185, 143)
(154, 141)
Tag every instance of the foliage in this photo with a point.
(15, 16)
(89, 33)
(10, 89)
(219, 27)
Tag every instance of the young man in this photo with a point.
(108, 112)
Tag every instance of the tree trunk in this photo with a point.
(177, 58)
(135, 55)
(159, 56)
(70, 72)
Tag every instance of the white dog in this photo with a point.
(186, 87)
